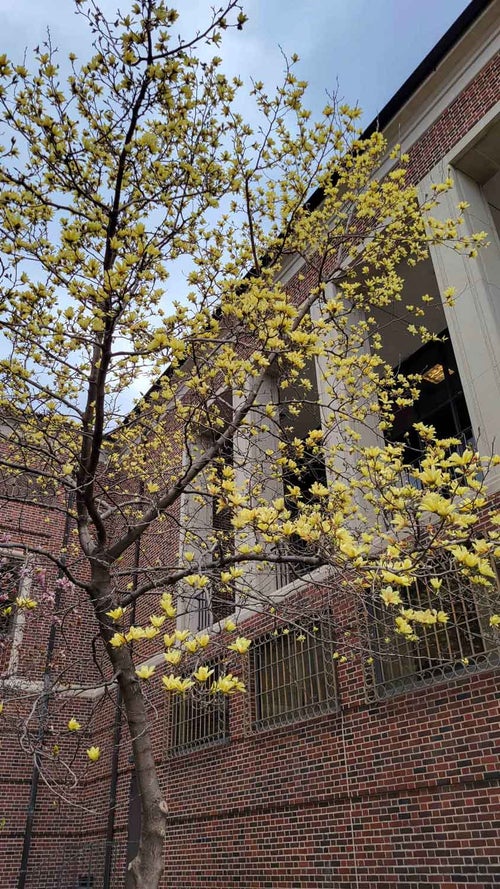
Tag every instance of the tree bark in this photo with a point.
(146, 869)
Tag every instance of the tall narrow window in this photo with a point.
(208, 530)
(10, 579)
(222, 595)
(441, 402)
(300, 415)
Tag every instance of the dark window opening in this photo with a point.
(10, 569)
(441, 402)
(311, 468)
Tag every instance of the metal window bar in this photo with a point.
(203, 611)
(443, 650)
(293, 679)
(198, 718)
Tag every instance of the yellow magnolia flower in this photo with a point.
(197, 581)
(403, 627)
(390, 596)
(145, 672)
(495, 620)
(176, 684)
(203, 640)
(157, 620)
(318, 490)
(399, 579)
(181, 635)
(168, 641)
(173, 657)
(191, 645)
(240, 644)
(228, 685)
(74, 725)
(167, 605)
(230, 626)
(202, 674)
(116, 613)
(26, 603)
(150, 632)
(434, 502)
(117, 640)
(135, 633)
(94, 753)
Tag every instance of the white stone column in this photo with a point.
(254, 465)
(474, 320)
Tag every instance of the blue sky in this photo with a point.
(367, 47)
(364, 49)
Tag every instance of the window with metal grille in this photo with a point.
(10, 575)
(199, 717)
(293, 674)
(442, 650)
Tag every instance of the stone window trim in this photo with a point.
(12, 630)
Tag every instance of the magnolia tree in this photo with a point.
(239, 463)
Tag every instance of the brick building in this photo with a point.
(352, 775)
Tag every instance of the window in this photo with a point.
(293, 674)
(208, 529)
(441, 402)
(221, 603)
(300, 415)
(10, 568)
(465, 642)
(198, 718)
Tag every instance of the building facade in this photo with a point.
(347, 774)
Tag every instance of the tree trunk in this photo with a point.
(146, 869)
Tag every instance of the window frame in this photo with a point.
(8, 622)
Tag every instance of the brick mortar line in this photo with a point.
(436, 786)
